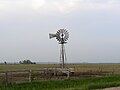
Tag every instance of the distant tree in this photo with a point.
(5, 62)
(20, 62)
(26, 62)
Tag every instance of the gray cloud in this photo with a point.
(93, 26)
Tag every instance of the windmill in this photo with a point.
(62, 36)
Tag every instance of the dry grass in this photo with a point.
(114, 68)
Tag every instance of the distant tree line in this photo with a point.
(26, 62)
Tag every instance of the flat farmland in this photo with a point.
(114, 68)
(40, 81)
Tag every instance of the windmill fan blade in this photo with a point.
(52, 35)
(62, 35)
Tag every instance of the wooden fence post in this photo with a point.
(55, 72)
(30, 76)
(68, 75)
(6, 78)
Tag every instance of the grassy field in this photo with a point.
(89, 83)
(115, 68)
(81, 84)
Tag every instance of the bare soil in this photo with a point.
(114, 88)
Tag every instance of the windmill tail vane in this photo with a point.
(52, 35)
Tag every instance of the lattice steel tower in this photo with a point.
(62, 36)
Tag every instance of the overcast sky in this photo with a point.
(94, 27)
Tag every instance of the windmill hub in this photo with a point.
(62, 36)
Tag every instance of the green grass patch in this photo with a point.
(81, 84)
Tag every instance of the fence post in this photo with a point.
(68, 75)
(55, 72)
(6, 78)
(30, 76)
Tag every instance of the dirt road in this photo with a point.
(114, 88)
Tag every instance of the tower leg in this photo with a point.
(62, 55)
